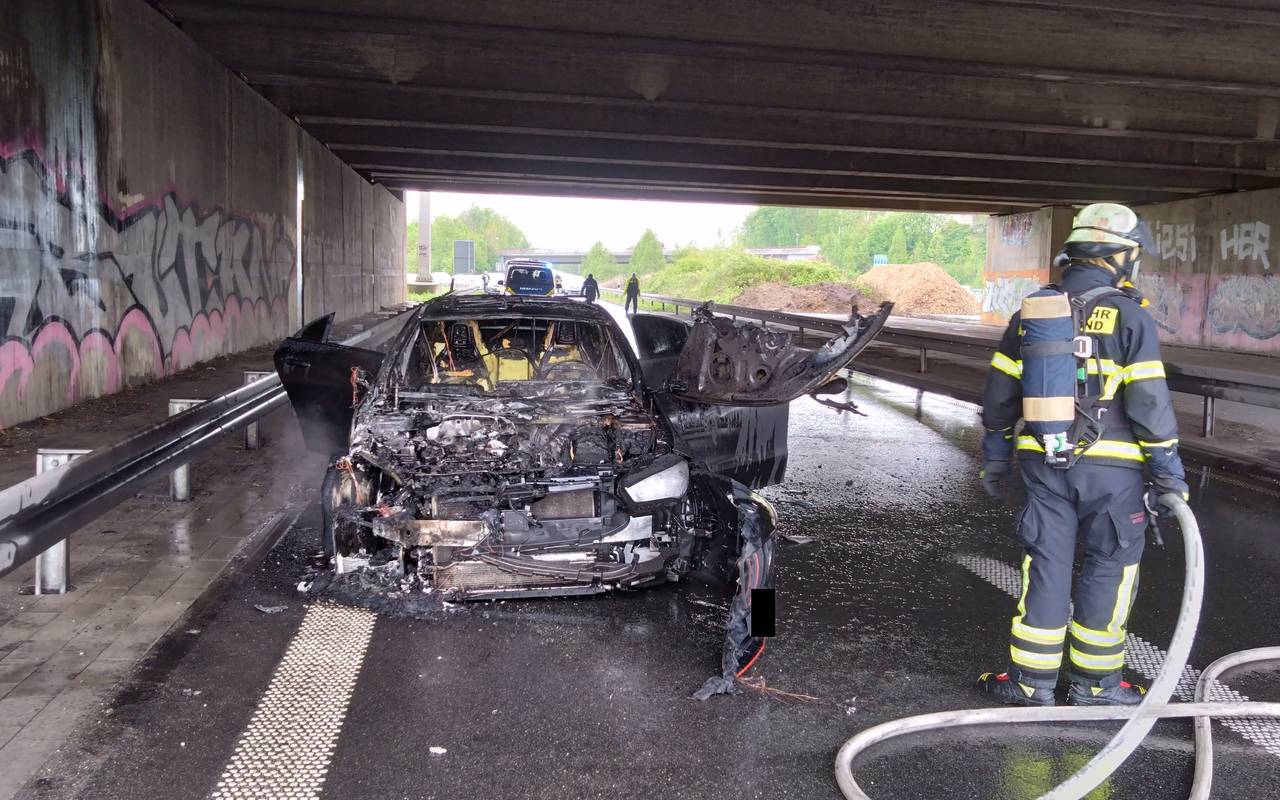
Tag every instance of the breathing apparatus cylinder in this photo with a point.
(1049, 372)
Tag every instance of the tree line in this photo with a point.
(491, 232)
(850, 240)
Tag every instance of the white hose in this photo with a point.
(1204, 733)
(1138, 719)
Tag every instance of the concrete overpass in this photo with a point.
(910, 104)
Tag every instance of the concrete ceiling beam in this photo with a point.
(409, 131)
(401, 59)
(1204, 43)
(696, 177)
(454, 183)
(346, 142)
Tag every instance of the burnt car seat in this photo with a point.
(460, 358)
(562, 357)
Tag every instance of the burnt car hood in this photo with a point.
(744, 364)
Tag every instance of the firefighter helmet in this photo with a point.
(1111, 235)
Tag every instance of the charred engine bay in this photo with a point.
(487, 496)
(430, 443)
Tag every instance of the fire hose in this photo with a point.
(1139, 719)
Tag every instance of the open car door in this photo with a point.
(748, 444)
(318, 376)
(744, 364)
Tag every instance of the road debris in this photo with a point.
(759, 685)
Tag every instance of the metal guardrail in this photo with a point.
(800, 321)
(45, 509)
(1210, 383)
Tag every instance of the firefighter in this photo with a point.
(1102, 498)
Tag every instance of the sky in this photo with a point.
(576, 223)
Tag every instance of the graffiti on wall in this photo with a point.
(1247, 241)
(1176, 240)
(1167, 298)
(1015, 229)
(1003, 296)
(1248, 304)
(93, 299)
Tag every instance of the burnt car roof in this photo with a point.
(478, 304)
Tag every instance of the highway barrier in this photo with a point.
(42, 511)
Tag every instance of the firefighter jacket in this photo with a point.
(1127, 376)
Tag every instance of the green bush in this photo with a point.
(723, 273)
(851, 239)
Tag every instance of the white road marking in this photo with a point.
(286, 749)
(1144, 657)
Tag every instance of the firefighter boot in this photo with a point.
(1004, 689)
(1111, 693)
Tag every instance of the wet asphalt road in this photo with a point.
(588, 698)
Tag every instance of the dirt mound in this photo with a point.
(824, 298)
(918, 289)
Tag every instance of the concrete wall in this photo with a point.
(1020, 249)
(1215, 283)
(148, 208)
(352, 239)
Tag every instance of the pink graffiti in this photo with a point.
(159, 327)
(15, 359)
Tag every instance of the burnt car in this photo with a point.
(508, 446)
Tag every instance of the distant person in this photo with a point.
(590, 289)
(484, 281)
(633, 295)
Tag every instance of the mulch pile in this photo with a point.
(918, 289)
(823, 298)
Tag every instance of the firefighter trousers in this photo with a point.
(1101, 507)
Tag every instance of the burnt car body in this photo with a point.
(517, 446)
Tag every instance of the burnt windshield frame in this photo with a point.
(517, 325)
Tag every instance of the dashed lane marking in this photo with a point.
(286, 749)
(1145, 658)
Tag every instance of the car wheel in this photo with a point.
(329, 493)
(337, 490)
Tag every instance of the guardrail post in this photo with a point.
(252, 441)
(53, 566)
(180, 478)
(1207, 427)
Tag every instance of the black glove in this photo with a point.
(1166, 484)
(993, 474)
